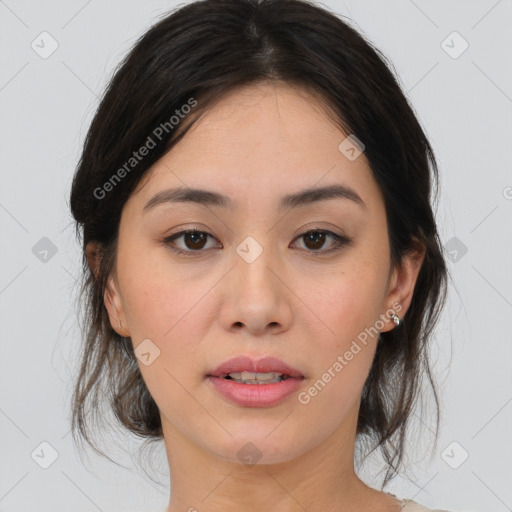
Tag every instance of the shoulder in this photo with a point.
(412, 506)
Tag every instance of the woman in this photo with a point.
(262, 268)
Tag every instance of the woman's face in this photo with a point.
(265, 277)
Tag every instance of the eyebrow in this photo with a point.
(211, 198)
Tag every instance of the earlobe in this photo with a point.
(402, 284)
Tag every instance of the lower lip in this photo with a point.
(256, 395)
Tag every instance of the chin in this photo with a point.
(250, 449)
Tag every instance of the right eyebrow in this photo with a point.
(190, 195)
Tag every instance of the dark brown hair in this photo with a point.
(203, 51)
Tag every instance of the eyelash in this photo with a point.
(341, 241)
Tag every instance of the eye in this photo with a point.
(193, 239)
(315, 240)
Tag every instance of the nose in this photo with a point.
(256, 296)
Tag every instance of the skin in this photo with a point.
(256, 145)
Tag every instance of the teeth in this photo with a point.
(256, 378)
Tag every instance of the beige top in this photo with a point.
(412, 506)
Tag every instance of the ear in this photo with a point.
(115, 308)
(402, 282)
(111, 296)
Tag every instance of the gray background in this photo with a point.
(463, 101)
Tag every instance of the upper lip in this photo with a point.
(248, 364)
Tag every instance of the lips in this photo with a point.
(247, 364)
(255, 394)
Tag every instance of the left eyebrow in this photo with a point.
(313, 195)
(211, 198)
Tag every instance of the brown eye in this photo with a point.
(195, 242)
(195, 239)
(315, 240)
(192, 241)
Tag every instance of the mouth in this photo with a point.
(255, 371)
(255, 383)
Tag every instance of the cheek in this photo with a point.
(349, 302)
(343, 354)
(174, 314)
(174, 310)
(347, 308)
(162, 298)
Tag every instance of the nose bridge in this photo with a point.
(256, 297)
(252, 268)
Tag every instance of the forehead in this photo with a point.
(264, 139)
(258, 120)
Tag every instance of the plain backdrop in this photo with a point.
(453, 60)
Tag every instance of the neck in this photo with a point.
(321, 479)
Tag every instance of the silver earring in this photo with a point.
(120, 324)
(395, 319)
